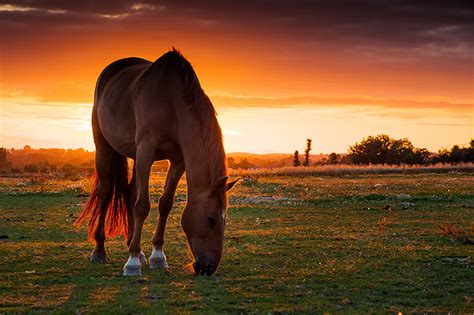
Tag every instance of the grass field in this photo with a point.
(293, 244)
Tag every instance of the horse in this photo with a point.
(150, 111)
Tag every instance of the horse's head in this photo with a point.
(203, 222)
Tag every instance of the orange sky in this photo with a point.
(276, 74)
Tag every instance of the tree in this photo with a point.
(400, 152)
(470, 151)
(333, 158)
(31, 168)
(4, 164)
(442, 156)
(382, 149)
(71, 171)
(306, 152)
(371, 150)
(231, 162)
(43, 167)
(457, 154)
(296, 159)
(422, 156)
(245, 164)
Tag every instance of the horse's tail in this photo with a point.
(115, 202)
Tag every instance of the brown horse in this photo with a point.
(150, 111)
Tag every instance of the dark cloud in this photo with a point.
(355, 23)
(355, 36)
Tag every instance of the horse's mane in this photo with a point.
(206, 114)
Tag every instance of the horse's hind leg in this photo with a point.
(158, 258)
(102, 159)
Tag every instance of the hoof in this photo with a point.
(158, 260)
(132, 268)
(142, 258)
(156, 263)
(98, 258)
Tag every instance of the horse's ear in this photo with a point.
(222, 185)
(231, 184)
(219, 185)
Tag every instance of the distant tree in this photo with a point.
(53, 168)
(71, 171)
(344, 159)
(422, 156)
(43, 167)
(400, 152)
(442, 156)
(382, 149)
(4, 163)
(470, 151)
(457, 154)
(245, 164)
(16, 170)
(371, 150)
(31, 168)
(296, 159)
(306, 152)
(231, 162)
(333, 158)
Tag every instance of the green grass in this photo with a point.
(293, 244)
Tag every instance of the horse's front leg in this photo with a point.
(158, 258)
(143, 163)
(130, 216)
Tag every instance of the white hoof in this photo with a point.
(142, 258)
(158, 260)
(133, 267)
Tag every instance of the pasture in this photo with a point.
(293, 244)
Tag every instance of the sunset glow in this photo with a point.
(276, 77)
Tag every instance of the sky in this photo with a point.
(277, 72)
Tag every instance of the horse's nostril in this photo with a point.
(196, 268)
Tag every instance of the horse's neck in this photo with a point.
(203, 167)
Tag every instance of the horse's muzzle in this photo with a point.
(202, 268)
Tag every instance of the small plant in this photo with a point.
(455, 233)
(382, 224)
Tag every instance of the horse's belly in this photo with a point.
(118, 129)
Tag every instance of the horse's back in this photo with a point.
(117, 66)
(135, 101)
(113, 113)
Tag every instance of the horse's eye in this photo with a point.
(211, 221)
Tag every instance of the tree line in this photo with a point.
(382, 149)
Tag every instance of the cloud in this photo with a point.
(416, 46)
(323, 101)
(356, 23)
(395, 30)
(240, 101)
(15, 8)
